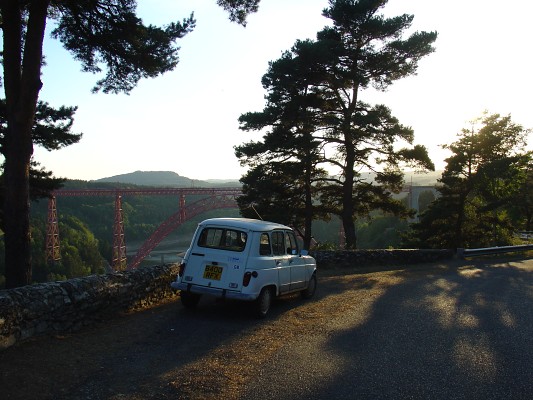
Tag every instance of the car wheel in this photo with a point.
(311, 288)
(263, 302)
(189, 300)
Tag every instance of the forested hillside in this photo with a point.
(86, 229)
(142, 214)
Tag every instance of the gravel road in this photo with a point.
(461, 330)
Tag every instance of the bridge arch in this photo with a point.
(215, 198)
(177, 219)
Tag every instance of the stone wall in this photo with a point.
(382, 258)
(59, 307)
(67, 306)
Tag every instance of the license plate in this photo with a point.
(213, 272)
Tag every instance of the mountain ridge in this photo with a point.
(173, 179)
(165, 178)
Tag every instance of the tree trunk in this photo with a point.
(349, 233)
(459, 224)
(22, 85)
(17, 212)
(308, 213)
(348, 205)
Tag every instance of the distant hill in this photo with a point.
(165, 179)
(172, 179)
(410, 178)
(425, 179)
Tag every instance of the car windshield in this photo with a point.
(223, 238)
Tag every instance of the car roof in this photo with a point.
(244, 223)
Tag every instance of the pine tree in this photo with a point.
(99, 33)
(315, 94)
(484, 175)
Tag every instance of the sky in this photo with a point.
(186, 121)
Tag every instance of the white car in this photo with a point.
(244, 259)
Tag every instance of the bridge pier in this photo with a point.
(414, 196)
(215, 198)
(119, 262)
(183, 216)
(53, 252)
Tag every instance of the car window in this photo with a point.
(264, 245)
(222, 238)
(290, 243)
(278, 243)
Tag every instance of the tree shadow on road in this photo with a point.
(156, 353)
(460, 331)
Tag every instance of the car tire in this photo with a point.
(263, 302)
(311, 288)
(189, 300)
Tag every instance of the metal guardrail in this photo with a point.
(461, 253)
